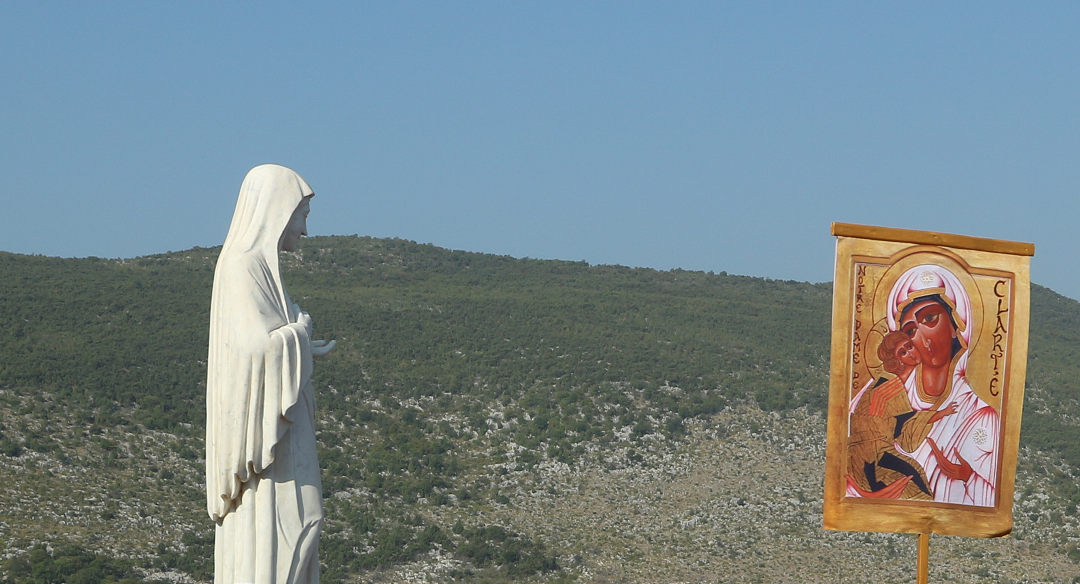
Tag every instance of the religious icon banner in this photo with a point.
(926, 386)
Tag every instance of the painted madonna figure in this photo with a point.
(262, 473)
(952, 434)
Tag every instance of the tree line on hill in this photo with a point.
(429, 340)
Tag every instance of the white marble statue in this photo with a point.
(262, 473)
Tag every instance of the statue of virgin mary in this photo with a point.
(262, 473)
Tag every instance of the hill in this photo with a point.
(484, 418)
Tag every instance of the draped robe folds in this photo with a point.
(262, 472)
(873, 459)
(973, 431)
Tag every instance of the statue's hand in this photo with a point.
(305, 319)
(322, 348)
(956, 471)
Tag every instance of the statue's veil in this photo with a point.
(259, 358)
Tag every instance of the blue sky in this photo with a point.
(708, 136)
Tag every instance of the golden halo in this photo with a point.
(911, 257)
(870, 345)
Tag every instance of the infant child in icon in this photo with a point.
(899, 357)
(881, 415)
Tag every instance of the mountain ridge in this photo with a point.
(465, 386)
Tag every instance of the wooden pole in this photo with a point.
(922, 569)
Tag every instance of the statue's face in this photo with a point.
(928, 326)
(297, 226)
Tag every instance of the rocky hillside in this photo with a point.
(485, 419)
